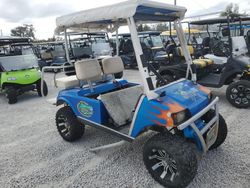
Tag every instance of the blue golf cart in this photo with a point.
(184, 115)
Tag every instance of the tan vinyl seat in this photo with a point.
(68, 82)
(112, 65)
(46, 55)
(88, 70)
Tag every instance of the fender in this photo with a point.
(63, 100)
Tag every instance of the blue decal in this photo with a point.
(85, 109)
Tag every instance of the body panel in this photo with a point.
(21, 77)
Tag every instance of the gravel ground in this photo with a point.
(32, 154)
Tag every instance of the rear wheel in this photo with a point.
(11, 95)
(170, 160)
(168, 79)
(45, 88)
(67, 124)
(238, 94)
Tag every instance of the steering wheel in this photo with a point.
(219, 48)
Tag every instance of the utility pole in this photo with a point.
(175, 2)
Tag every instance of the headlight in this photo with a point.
(11, 78)
(180, 117)
(210, 96)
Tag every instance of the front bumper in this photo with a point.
(210, 128)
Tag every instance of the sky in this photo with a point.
(42, 13)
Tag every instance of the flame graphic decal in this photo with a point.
(163, 117)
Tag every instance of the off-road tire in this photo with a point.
(179, 150)
(67, 124)
(168, 78)
(246, 92)
(45, 88)
(11, 95)
(222, 133)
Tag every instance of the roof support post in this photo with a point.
(66, 46)
(141, 62)
(184, 48)
(117, 42)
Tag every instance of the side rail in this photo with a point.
(213, 124)
(47, 68)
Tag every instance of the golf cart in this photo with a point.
(234, 72)
(216, 46)
(51, 54)
(19, 70)
(152, 47)
(87, 45)
(183, 113)
(83, 45)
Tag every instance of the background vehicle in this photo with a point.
(88, 45)
(19, 70)
(234, 72)
(152, 45)
(51, 54)
(177, 111)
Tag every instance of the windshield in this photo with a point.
(152, 41)
(157, 42)
(20, 62)
(13, 50)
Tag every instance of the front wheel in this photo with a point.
(67, 124)
(238, 94)
(45, 88)
(11, 95)
(222, 133)
(170, 160)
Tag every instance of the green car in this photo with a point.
(19, 71)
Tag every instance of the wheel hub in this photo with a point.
(164, 163)
(240, 94)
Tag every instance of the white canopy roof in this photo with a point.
(106, 17)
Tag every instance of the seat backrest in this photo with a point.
(88, 69)
(112, 65)
(239, 45)
(46, 55)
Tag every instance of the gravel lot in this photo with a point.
(32, 154)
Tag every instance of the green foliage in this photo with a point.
(162, 27)
(143, 27)
(26, 30)
(232, 10)
(157, 27)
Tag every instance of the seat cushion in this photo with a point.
(67, 82)
(202, 63)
